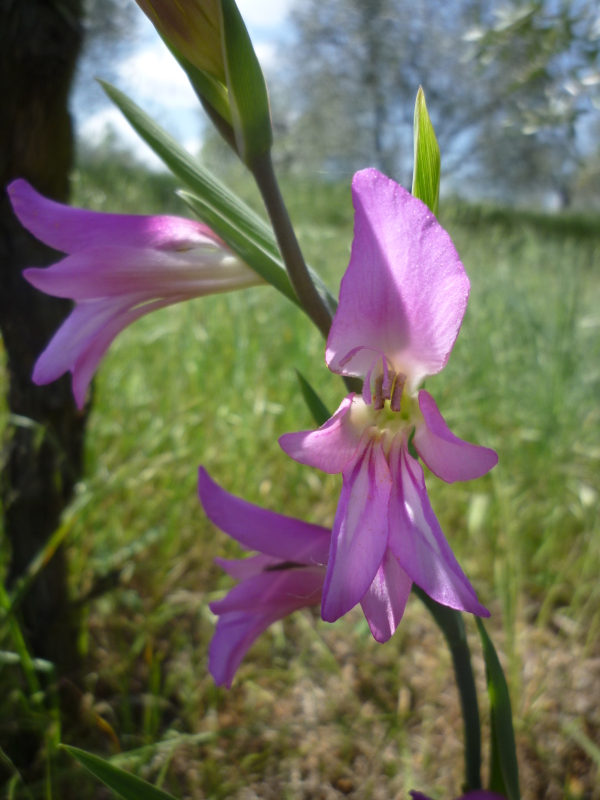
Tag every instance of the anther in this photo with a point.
(378, 399)
(397, 389)
(387, 393)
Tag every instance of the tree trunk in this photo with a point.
(43, 454)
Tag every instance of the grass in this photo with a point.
(321, 710)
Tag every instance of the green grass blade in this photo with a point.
(316, 406)
(504, 769)
(427, 165)
(123, 784)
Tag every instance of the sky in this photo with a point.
(152, 78)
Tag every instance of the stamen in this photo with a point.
(397, 389)
(378, 398)
(387, 387)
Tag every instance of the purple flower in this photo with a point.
(286, 575)
(118, 268)
(402, 302)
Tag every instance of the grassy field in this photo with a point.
(317, 710)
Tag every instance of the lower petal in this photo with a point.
(418, 541)
(331, 446)
(360, 530)
(249, 609)
(447, 456)
(386, 597)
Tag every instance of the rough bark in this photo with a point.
(43, 448)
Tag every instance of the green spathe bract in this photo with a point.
(427, 164)
(248, 96)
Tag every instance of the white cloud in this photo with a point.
(152, 74)
(109, 122)
(264, 13)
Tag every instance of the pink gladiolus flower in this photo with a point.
(402, 302)
(118, 268)
(286, 575)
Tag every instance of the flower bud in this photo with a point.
(193, 27)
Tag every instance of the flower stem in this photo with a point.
(452, 626)
(309, 298)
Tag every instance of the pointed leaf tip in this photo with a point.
(427, 163)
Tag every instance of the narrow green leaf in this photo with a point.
(504, 768)
(123, 784)
(316, 406)
(426, 172)
(248, 96)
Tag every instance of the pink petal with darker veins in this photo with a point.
(418, 541)
(360, 530)
(405, 290)
(447, 456)
(331, 446)
(384, 603)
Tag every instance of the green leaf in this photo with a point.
(316, 406)
(504, 769)
(426, 172)
(123, 784)
(248, 96)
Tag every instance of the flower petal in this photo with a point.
(70, 230)
(110, 271)
(243, 568)
(85, 336)
(332, 446)
(386, 597)
(418, 541)
(249, 609)
(258, 529)
(405, 290)
(447, 456)
(360, 530)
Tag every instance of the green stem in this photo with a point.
(452, 626)
(309, 298)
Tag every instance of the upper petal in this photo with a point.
(71, 230)
(385, 599)
(331, 446)
(257, 528)
(405, 290)
(449, 457)
(360, 530)
(418, 541)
